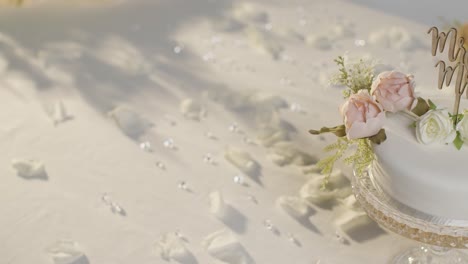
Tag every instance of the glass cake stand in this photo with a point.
(443, 238)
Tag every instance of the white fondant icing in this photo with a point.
(429, 178)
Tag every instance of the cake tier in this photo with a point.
(429, 178)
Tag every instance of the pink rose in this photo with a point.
(394, 90)
(363, 116)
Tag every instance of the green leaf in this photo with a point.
(459, 118)
(456, 118)
(379, 137)
(413, 125)
(458, 142)
(432, 106)
(421, 107)
(339, 131)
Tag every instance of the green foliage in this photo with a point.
(355, 77)
(326, 164)
(422, 107)
(456, 118)
(458, 142)
(347, 93)
(363, 157)
(379, 137)
(432, 106)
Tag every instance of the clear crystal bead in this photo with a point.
(268, 224)
(179, 234)
(169, 143)
(340, 238)
(146, 146)
(161, 165)
(295, 107)
(239, 179)
(105, 199)
(252, 199)
(209, 56)
(116, 208)
(292, 238)
(359, 43)
(178, 49)
(208, 158)
(233, 127)
(182, 185)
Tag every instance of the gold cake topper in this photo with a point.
(458, 59)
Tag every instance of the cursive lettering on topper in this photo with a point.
(456, 53)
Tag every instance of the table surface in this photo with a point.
(158, 66)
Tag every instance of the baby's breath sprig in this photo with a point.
(355, 76)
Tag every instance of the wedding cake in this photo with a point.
(412, 147)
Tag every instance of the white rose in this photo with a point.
(462, 127)
(435, 126)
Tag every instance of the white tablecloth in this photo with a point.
(236, 66)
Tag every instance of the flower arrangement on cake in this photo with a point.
(368, 99)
